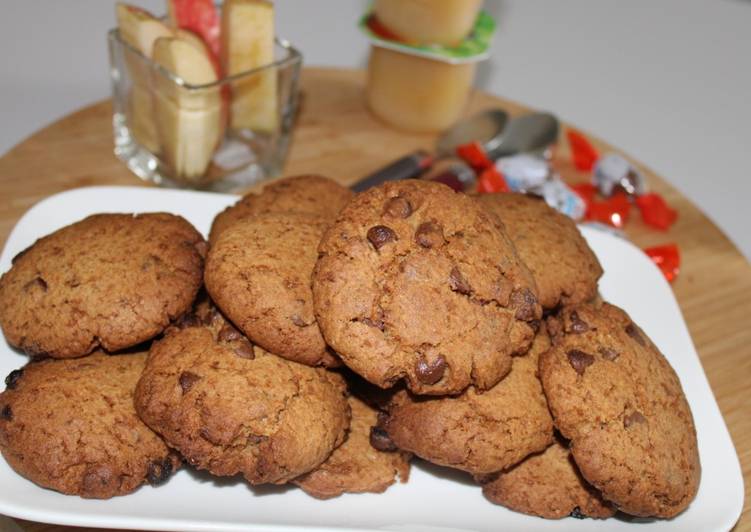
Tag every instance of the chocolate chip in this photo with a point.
(633, 332)
(429, 235)
(608, 353)
(379, 439)
(380, 235)
(7, 413)
(159, 471)
(297, 320)
(576, 513)
(228, 333)
(578, 326)
(37, 282)
(377, 323)
(633, 417)
(187, 380)
(525, 303)
(202, 248)
(245, 350)
(458, 282)
(11, 381)
(188, 320)
(430, 372)
(580, 360)
(535, 325)
(210, 317)
(398, 207)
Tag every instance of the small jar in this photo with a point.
(416, 93)
(427, 22)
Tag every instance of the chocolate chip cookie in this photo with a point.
(258, 273)
(549, 485)
(356, 466)
(110, 280)
(70, 425)
(230, 407)
(478, 432)
(312, 194)
(613, 394)
(416, 281)
(564, 267)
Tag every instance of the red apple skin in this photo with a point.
(200, 17)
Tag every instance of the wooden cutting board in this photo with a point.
(336, 136)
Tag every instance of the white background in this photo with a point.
(669, 81)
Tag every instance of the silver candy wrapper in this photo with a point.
(612, 171)
(523, 172)
(529, 174)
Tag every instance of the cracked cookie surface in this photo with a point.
(311, 194)
(258, 273)
(230, 407)
(478, 432)
(549, 485)
(356, 466)
(70, 425)
(616, 398)
(418, 282)
(110, 280)
(565, 269)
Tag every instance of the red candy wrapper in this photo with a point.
(583, 153)
(474, 155)
(667, 258)
(655, 212)
(200, 17)
(491, 181)
(586, 192)
(612, 211)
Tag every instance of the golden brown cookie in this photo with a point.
(230, 407)
(70, 425)
(549, 485)
(311, 194)
(478, 432)
(355, 466)
(258, 273)
(613, 394)
(110, 280)
(564, 267)
(418, 282)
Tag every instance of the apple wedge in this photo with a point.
(189, 120)
(140, 29)
(199, 17)
(248, 43)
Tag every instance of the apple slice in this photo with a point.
(140, 29)
(198, 16)
(189, 120)
(248, 43)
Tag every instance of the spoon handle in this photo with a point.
(408, 167)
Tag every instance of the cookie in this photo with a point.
(70, 425)
(478, 432)
(230, 407)
(258, 273)
(356, 466)
(312, 194)
(549, 485)
(618, 401)
(418, 282)
(564, 267)
(110, 280)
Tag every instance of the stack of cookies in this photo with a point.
(323, 339)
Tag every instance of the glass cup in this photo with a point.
(221, 136)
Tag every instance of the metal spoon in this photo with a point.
(486, 127)
(524, 134)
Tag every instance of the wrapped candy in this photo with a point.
(559, 195)
(656, 212)
(523, 172)
(613, 171)
(668, 258)
(583, 154)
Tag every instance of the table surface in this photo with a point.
(336, 136)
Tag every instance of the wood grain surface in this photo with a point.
(337, 137)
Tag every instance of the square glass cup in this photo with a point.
(221, 136)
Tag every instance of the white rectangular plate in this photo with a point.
(434, 499)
